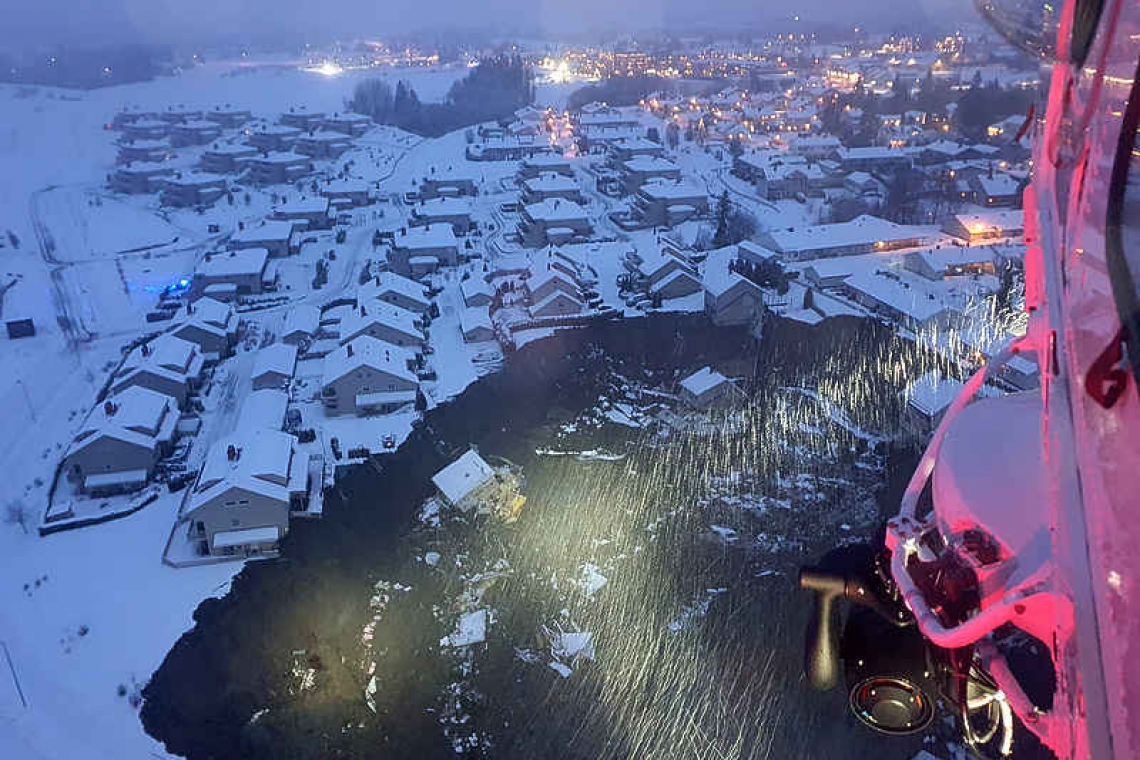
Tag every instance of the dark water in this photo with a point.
(307, 608)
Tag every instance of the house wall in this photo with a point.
(271, 380)
(258, 511)
(208, 342)
(363, 380)
(733, 308)
(104, 455)
(177, 390)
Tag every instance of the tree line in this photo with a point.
(493, 90)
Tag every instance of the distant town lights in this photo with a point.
(328, 69)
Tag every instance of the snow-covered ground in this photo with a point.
(83, 613)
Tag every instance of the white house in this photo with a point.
(557, 304)
(367, 375)
(461, 483)
(705, 387)
(211, 324)
(927, 400)
(274, 366)
(250, 482)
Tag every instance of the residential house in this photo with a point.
(322, 145)
(273, 138)
(226, 158)
(274, 235)
(986, 225)
(351, 124)
(554, 221)
(476, 291)
(194, 133)
(706, 388)
(450, 183)
(417, 251)
(863, 234)
(274, 366)
(546, 163)
(385, 322)
(890, 296)
(249, 484)
(730, 299)
(637, 171)
(366, 375)
(547, 186)
(209, 323)
(168, 365)
(665, 204)
(189, 189)
(307, 213)
(227, 116)
(301, 324)
(950, 261)
(279, 168)
(226, 275)
(138, 178)
(475, 324)
(121, 441)
(453, 211)
(391, 288)
(464, 482)
(302, 118)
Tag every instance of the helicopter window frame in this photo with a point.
(1086, 20)
(1125, 283)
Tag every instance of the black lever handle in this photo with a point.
(821, 654)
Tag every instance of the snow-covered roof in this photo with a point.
(211, 311)
(941, 259)
(668, 191)
(932, 393)
(551, 183)
(997, 185)
(303, 318)
(278, 358)
(380, 313)
(282, 157)
(463, 476)
(992, 219)
(442, 207)
(245, 261)
(557, 295)
(195, 179)
(556, 210)
(650, 164)
(303, 206)
(546, 159)
(366, 351)
(473, 318)
(135, 415)
(540, 277)
(862, 230)
(474, 286)
(167, 351)
(669, 279)
(390, 282)
(231, 149)
(702, 381)
(269, 231)
(258, 460)
(429, 236)
(263, 409)
(345, 186)
(892, 292)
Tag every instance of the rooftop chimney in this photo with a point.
(232, 453)
(145, 350)
(109, 408)
(348, 347)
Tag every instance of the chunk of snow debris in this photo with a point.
(429, 515)
(526, 655)
(471, 629)
(591, 580)
(561, 669)
(432, 558)
(845, 526)
(728, 534)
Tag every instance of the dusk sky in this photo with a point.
(194, 21)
